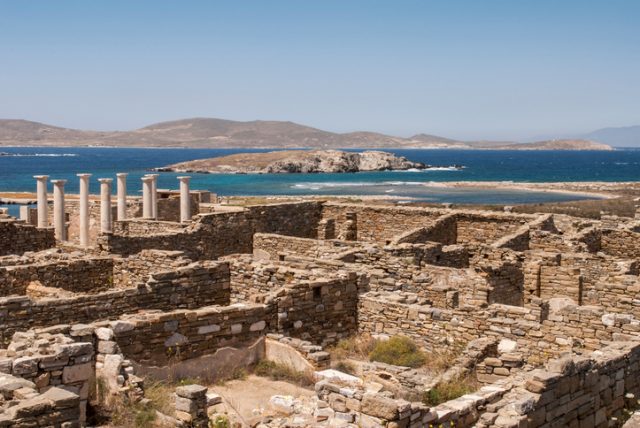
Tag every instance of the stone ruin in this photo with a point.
(545, 308)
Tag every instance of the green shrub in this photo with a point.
(398, 351)
(220, 421)
(450, 390)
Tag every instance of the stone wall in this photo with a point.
(442, 230)
(380, 223)
(82, 275)
(159, 338)
(47, 361)
(539, 335)
(484, 228)
(621, 243)
(136, 268)
(204, 283)
(217, 234)
(17, 237)
(169, 206)
(586, 392)
(318, 305)
(272, 246)
(321, 311)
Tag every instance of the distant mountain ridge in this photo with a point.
(221, 133)
(626, 136)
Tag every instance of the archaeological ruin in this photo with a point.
(98, 296)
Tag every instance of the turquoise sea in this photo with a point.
(17, 169)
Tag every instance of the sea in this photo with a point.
(18, 165)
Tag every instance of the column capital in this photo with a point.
(84, 175)
(105, 180)
(58, 182)
(146, 178)
(184, 178)
(122, 174)
(41, 177)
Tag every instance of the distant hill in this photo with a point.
(220, 133)
(628, 136)
(566, 144)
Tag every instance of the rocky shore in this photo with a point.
(298, 161)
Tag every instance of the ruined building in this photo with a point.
(545, 307)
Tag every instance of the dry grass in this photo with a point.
(398, 351)
(119, 411)
(450, 390)
(277, 371)
(623, 207)
(357, 347)
(439, 361)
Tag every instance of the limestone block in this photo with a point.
(176, 339)
(379, 406)
(258, 326)
(77, 373)
(507, 346)
(120, 326)
(206, 329)
(24, 365)
(104, 333)
(192, 392)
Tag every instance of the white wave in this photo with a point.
(317, 186)
(444, 168)
(399, 183)
(39, 155)
(434, 168)
(337, 184)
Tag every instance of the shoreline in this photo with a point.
(592, 189)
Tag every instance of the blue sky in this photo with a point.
(501, 69)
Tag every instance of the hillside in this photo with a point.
(628, 136)
(297, 161)
(549, 145)
(220, 133)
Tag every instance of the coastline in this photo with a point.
(593, 189)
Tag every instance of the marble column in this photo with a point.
(84, 209)
(105, 204)
(185, 200)
(154, 195)
(59, 220)
(147, 211)
(41, 190)
(122, 196)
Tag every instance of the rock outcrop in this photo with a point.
(298, 161)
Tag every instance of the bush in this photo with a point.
(356, 346)
(450, 390)
(398, 351)
(345, 367)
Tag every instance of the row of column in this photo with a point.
(149, 203)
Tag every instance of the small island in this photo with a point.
(298, 161)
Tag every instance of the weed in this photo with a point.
(450, 390)
(441, 360)
(220, 421)
(345, 367)
(398, 351)
(359, 347)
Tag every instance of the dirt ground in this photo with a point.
(241, 397)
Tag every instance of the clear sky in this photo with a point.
(465, 69)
